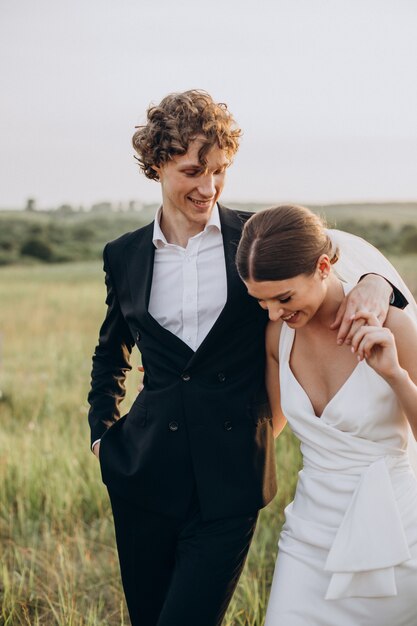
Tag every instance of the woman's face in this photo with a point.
(294, 300)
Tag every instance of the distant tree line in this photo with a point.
(62, 236)
(52, 237)
(98, 207)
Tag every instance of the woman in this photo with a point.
(348, 548)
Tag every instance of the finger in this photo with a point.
(378, 337)
(365, 348)
(369, 342)
(141, 368)
(355, 326)
(359, 352)
(369, 316)
(345, 327)
(382, 316)
(339, 315)
(351, 327)
(358, 336)
(361, 333)
(346, 324)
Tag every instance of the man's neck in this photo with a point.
(179, 231)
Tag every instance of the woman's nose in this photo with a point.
(275, 311)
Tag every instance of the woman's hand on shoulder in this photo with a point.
(388, 349)
(372, 293)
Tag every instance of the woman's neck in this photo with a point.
(334, 297)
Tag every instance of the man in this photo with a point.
(192, 463)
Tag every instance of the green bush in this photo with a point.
(409, 243)
(38, 249)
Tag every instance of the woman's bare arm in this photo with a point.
(392, 351)
(272, 376)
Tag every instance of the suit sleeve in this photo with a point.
(111, 361)
(358, 258)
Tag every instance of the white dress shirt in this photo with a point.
(189, 287)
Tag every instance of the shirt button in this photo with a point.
(186, 377)
(228, 425)
(221, 377)
(173, 426)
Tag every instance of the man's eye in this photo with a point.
(284, 300)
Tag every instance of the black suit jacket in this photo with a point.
(202, 420)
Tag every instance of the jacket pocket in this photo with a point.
(108, 434)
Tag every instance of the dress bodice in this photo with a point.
(364, 407)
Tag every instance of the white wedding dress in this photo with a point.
(348, 548)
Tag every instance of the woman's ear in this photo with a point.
(323, 266)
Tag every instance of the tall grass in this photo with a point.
(58, 560)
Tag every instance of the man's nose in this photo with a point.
(206, 186)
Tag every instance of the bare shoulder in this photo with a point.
(273, 332)
(404, 329)
(400, 323)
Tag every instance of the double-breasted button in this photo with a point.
(221, 377)
(185, 376)
(173, 426)
(228, 425)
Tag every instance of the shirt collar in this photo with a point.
(159, 239)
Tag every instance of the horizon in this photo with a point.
(122, 207)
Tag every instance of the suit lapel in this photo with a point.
(139, 268)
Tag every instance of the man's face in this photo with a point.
(190, 192)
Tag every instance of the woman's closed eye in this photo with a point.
(262, 301)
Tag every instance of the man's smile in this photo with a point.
(203, 204)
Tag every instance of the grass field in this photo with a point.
(58, 560)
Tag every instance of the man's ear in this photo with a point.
(157, 170)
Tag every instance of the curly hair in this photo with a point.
(178, 120)
(283, 242)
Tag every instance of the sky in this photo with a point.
(324, 90)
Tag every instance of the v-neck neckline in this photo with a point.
(335, 395)
(346, 289)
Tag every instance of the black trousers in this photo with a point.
(179, 572)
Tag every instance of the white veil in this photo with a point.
(358, 257)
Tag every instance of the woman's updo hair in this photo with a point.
(282, 242)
